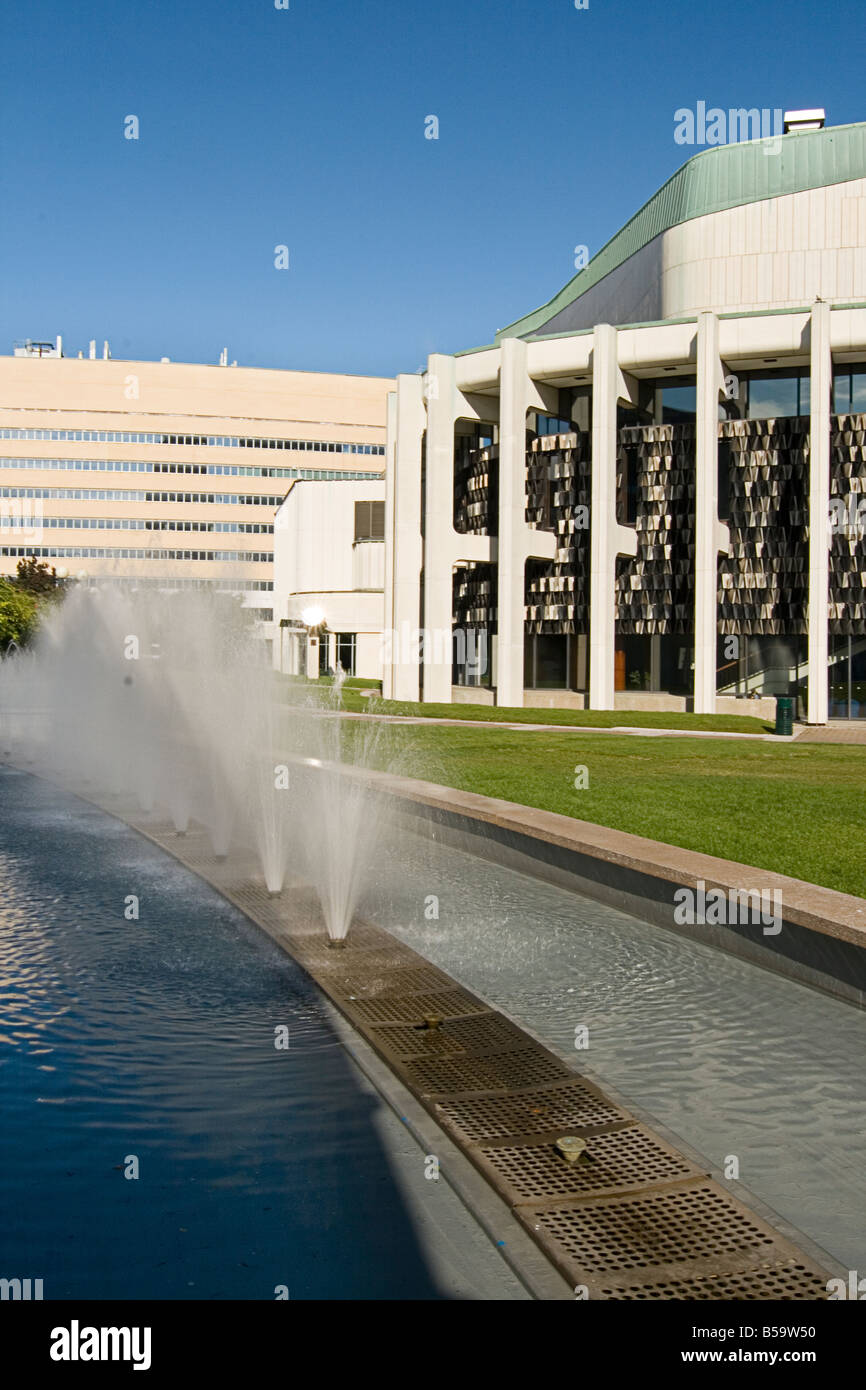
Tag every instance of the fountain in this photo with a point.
(167, 699)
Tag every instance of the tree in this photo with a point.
(36, 576)
(18, 611)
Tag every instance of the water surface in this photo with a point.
(155, 1039)
(738, 1061)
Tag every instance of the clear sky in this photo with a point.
(305, 127)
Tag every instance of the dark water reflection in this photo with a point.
(155, 1038)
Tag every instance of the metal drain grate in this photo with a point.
(527, 1066)
(630, 1158)
(787, 1281)
(482, 1033)
(402, 1041)
(452, 1003)
(368, 985)
(376, 959)
(361, 945)
(573, 1106)
(315, 953)
(684, 1227)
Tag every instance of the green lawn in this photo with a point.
(799, 810)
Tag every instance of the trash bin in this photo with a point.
(784, 715)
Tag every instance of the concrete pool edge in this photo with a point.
(755, 1253)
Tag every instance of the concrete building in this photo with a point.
(169, 472)
(646, 493)
(329, 578)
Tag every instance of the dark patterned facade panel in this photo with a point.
(848, 525)
(764, 580)
(655, 590)
(476, 490)
(557, 500)
(474, 597)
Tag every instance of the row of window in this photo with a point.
(228, 586)
(317, 475)
(107, 494)
(761, 396)
(210, 441)
(233, 586)
(70, 552)
(756, 395)
(30, 522)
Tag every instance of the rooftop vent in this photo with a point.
(30, 348)
(804, 120)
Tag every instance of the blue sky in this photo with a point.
(305, 127)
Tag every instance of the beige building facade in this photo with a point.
(170, 472)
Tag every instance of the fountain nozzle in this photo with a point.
(336, 943)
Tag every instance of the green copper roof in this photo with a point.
(724, 176)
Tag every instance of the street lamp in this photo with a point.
(313, 619)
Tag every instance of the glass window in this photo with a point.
(849, 391)
(346, 650)
(551, 662)
(679, 404)
(369, 521)
(774, 396)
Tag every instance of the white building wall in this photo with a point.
(779, 253)
(319, 566)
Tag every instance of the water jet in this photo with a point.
(203, 737)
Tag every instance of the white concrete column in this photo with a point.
(821, 367)
(443, 547)
(607, 538)
(511, 550)
(403, 546)
(517, 541)
(388, 646)
(439, 528)
(709, 381)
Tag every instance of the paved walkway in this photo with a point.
(838, 731)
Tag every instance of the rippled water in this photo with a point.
(734, 1059)
(155, 1038)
